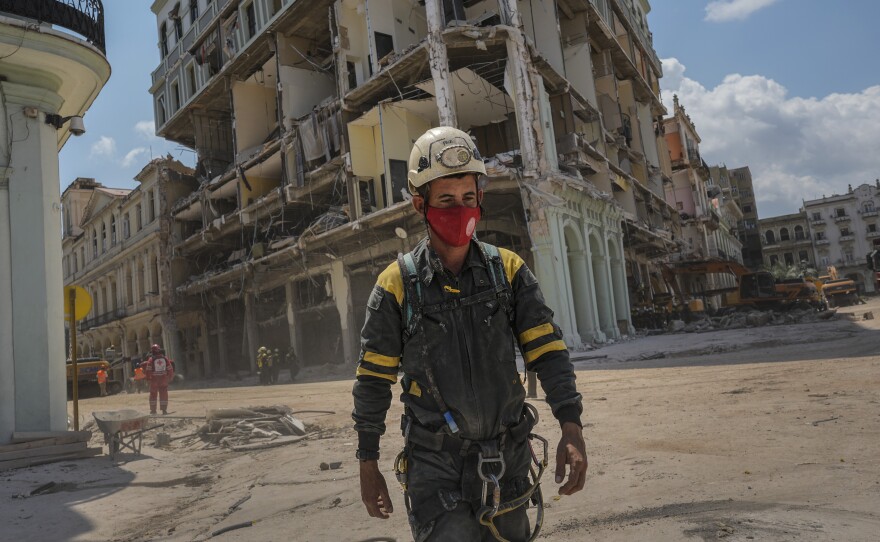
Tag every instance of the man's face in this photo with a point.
(447, 192)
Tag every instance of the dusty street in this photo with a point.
(753, 434)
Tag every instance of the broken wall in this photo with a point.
(576, 56)
(354, 45)
(256, 114)
(541, 25)
(303, 85)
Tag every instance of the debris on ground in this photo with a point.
(744, 319)
(252, 428)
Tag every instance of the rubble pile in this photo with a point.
(754, 318)
(252, 428)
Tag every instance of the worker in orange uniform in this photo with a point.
(160, 373)
(102, 381)
(139, 378)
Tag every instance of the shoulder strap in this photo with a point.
(412, 288)
(493, 259)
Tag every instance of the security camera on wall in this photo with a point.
(77, 126)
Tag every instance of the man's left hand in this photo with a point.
(572, 451)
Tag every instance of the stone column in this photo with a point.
(625, 300)
(221, 337)
(613, 287)
(342, 296)
(33, 278)
(291, 320)
(253, 337)
(443, 92)
(593, 310)
(7, 363)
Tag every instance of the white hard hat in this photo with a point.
(441, 152)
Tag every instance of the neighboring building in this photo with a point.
(688, 191)
(303, 130)
(747, 227)
(117, 245)
(48, 79)
(724, 243)
(787, 241)
(845, 229)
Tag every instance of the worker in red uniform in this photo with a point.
(102, 381)
(159, 371)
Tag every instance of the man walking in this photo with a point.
(446, 314)
(101, 375)
(159, 371)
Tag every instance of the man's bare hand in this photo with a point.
(572, 451)
(374, 490)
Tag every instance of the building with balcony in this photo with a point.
(845, 229)
(303, 127)
(53, 67)
(117, 245)
(787, 240)
(724, 242)
(747, 231)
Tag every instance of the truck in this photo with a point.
(87, 368)
(839, 292)
(753, 289)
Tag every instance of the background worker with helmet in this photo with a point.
(263, 361)
(159, 371)
(446, 315)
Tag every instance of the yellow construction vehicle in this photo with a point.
(752, 290)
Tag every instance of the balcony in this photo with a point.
(867, 214)
(842, 218)
(847, 238)
(873, 234)
(817, 221)
(820, 242)
(102, 319)
(85, 17)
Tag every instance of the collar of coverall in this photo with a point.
(428, 263)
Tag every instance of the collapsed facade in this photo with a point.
(303, 115)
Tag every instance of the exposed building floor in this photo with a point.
(753, 434)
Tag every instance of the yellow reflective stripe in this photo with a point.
(552, 346)
(391, 281)
(512, 262)
(366, 372)
(379, 359)
(414, 389)
(530, 335)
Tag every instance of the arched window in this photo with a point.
(103, 237)
(868, 206)
(783, 234)
(799, 232)
(771, 238)
(94, 243)
(163, 40)
(113, 230)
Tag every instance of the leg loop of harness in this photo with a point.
(488, 513)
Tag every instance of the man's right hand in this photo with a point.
(374, 490)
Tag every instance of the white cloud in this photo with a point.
(132, 155)
(797, 148)
(720, 11)
(104, 146)
(146, 129)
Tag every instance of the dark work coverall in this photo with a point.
(470, 350)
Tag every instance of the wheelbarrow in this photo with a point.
(123, 429)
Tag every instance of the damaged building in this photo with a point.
(303, 115)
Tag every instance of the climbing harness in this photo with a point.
(491, 466)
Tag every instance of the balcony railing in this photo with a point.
(872, 234)
(847, 238)
(842, 218)
(866, 214)
(85, 17)
(102, 319)
(822, 241)
(817, 221)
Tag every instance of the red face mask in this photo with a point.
(453, 225)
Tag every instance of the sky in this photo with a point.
(790, 88)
